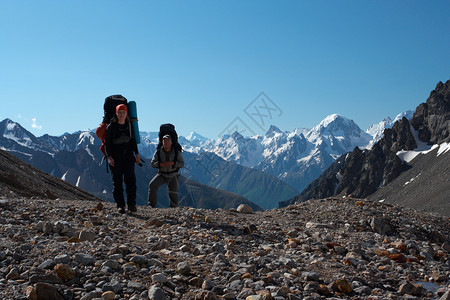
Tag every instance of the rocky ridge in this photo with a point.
(20, 179)
(330, 248)
(361, 173)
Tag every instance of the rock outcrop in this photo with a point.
(361, 173)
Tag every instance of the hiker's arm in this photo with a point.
(108, 141)
(155, 161)
(180, 160)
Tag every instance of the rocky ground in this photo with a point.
(330, 248)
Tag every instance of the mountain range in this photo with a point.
(264, 169)
(409, 165)
(283, 162)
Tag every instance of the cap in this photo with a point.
(121, 107)
(167, 136)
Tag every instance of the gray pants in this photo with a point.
(159, 180)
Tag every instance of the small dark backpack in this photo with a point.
(170, 130)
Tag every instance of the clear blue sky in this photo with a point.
(199, 64)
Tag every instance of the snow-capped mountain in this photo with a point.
(377, 130)
(339, 134)
(296, 157)
(15, 138)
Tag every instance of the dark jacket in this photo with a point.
(120, 142)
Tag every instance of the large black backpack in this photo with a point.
(170, 130)
(109, 108)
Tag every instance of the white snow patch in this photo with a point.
(339, 178)
(444, 147)
(78, 181)
(411, 180)
(64, 176)
(422, 148)
(89, 152)
(104, 192)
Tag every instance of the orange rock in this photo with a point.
(324, 290)
(64, 272)
(344, 286)
(398, 258)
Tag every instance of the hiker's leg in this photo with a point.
(130, 183)
(117, 175)
(173, 191)
(153, 187)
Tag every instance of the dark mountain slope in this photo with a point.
(361, 173)
(424, 186)
(18, 178)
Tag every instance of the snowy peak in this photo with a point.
(13, 131)
(194, 136)
(339, 134)
(335, 125)
(273, 130)
(377, 130)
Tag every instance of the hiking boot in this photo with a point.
(132, 208)
(121, 210)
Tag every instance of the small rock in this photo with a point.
(135, 285)
(410, 289)
(87, 236)
(159, 278)
(379, 226)
(245, 209)
(184, 268)
(64, 272)
(63, 259)
(31, 293)
(47, 228)
(113, 264)
(207, 285)
(446, 246)
(109, 295)
(114, 286)
(156, 293)
(196, 281)
(155, 223)
(84, 259)
(344, 286)
(13, 274)
(310, 276)
(446, 296)
(47, 291)
(139, 259)
(48, 264)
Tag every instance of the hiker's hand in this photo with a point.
(166, 164)
(138, 159)
(111, 161)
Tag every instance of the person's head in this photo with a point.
(167, 142)
(121, 112)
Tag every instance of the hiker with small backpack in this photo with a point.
(122, 153)
(168, 160)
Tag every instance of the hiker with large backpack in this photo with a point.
(122, 153)
(168, 160)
